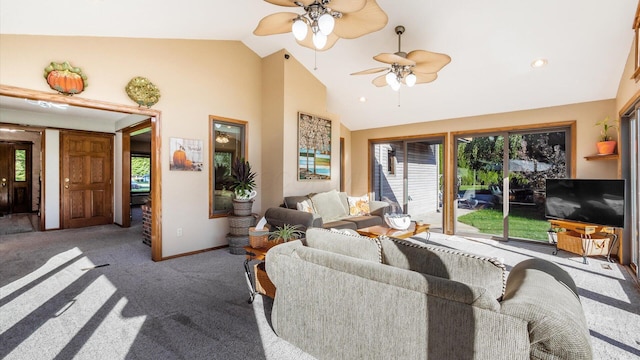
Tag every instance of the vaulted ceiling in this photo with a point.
(492, 44)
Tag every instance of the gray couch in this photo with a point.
(350, 297)
(331, 211)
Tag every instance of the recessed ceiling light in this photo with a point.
(363, 99)
(539, 63)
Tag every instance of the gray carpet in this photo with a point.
(54, 304)
(15, 223)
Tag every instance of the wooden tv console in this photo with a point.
(585, 231)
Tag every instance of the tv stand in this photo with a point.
(586, 231)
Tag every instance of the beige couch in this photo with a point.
(350, 297)
(330, 210)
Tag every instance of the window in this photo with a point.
(20, 165)
(227, 139)
(140, 173)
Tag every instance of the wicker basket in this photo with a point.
(258, 239)
(572, 242)
(263, 283)
(242, 208)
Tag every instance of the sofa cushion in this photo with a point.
(346, 244)
(358, 205)
(339, 224)
(305, 206)
(329, 206)
(446, 263)
(364, 221)
(291, 202)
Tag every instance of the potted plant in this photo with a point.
(606, 145)
(244, 180)
(285, 233)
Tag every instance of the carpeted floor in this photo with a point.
(15, 223)
(56, 304)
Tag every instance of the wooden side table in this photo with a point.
(261, 281)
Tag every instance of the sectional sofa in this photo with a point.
(345, 296)
(330, 209)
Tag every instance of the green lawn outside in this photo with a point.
(523, 223)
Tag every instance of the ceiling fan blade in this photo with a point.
(278, 23)
(427, 61)
(380, 81)
(389, 58)
(308, 41)
(289, 2)
(347, 6)
(425, 78)
(369, 19)
(370, 71)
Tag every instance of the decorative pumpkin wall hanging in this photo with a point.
(143, 91)
(64, 78)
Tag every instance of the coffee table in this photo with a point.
(378, 230)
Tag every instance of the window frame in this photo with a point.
(244, 139)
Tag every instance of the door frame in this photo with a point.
(126, 169)
(156, 140)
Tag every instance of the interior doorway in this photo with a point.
(155, 115)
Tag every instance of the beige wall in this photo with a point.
(303, 92)
(272, 129)
(585, 115)
(288, 88)
(628, 86)
(196, 78)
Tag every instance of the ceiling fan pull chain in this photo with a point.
(315, 59)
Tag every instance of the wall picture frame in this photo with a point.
(185, 154)
(314, 147)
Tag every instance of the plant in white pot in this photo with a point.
(244, 180)
(244, 183)
(606, 145)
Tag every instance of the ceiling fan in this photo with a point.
(416, 67)
(328, 21)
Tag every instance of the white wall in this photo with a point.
(117, 179)
(52, 179)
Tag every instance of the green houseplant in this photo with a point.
(606, 145)
(244, 179)
(285, 233)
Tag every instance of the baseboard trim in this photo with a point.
(194, 252)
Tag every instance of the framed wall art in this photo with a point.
(185, 154)
(314, 147)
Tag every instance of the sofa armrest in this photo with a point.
(544, 295)
(378, 208)
(278, 216)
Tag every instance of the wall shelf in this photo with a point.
(602, 157)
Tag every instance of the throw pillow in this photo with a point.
(329, 206)
(358, 205)
(305, 206)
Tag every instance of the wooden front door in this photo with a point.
(86, 179)
(15, 177)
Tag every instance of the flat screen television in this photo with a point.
(591, 201)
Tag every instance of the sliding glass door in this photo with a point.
(634, 179)
(408, 174)
(501, 184)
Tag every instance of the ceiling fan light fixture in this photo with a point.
(395, 86)
(391, 79)
(319, 40)
(326, 24)
(299, 29)
(410, 79)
